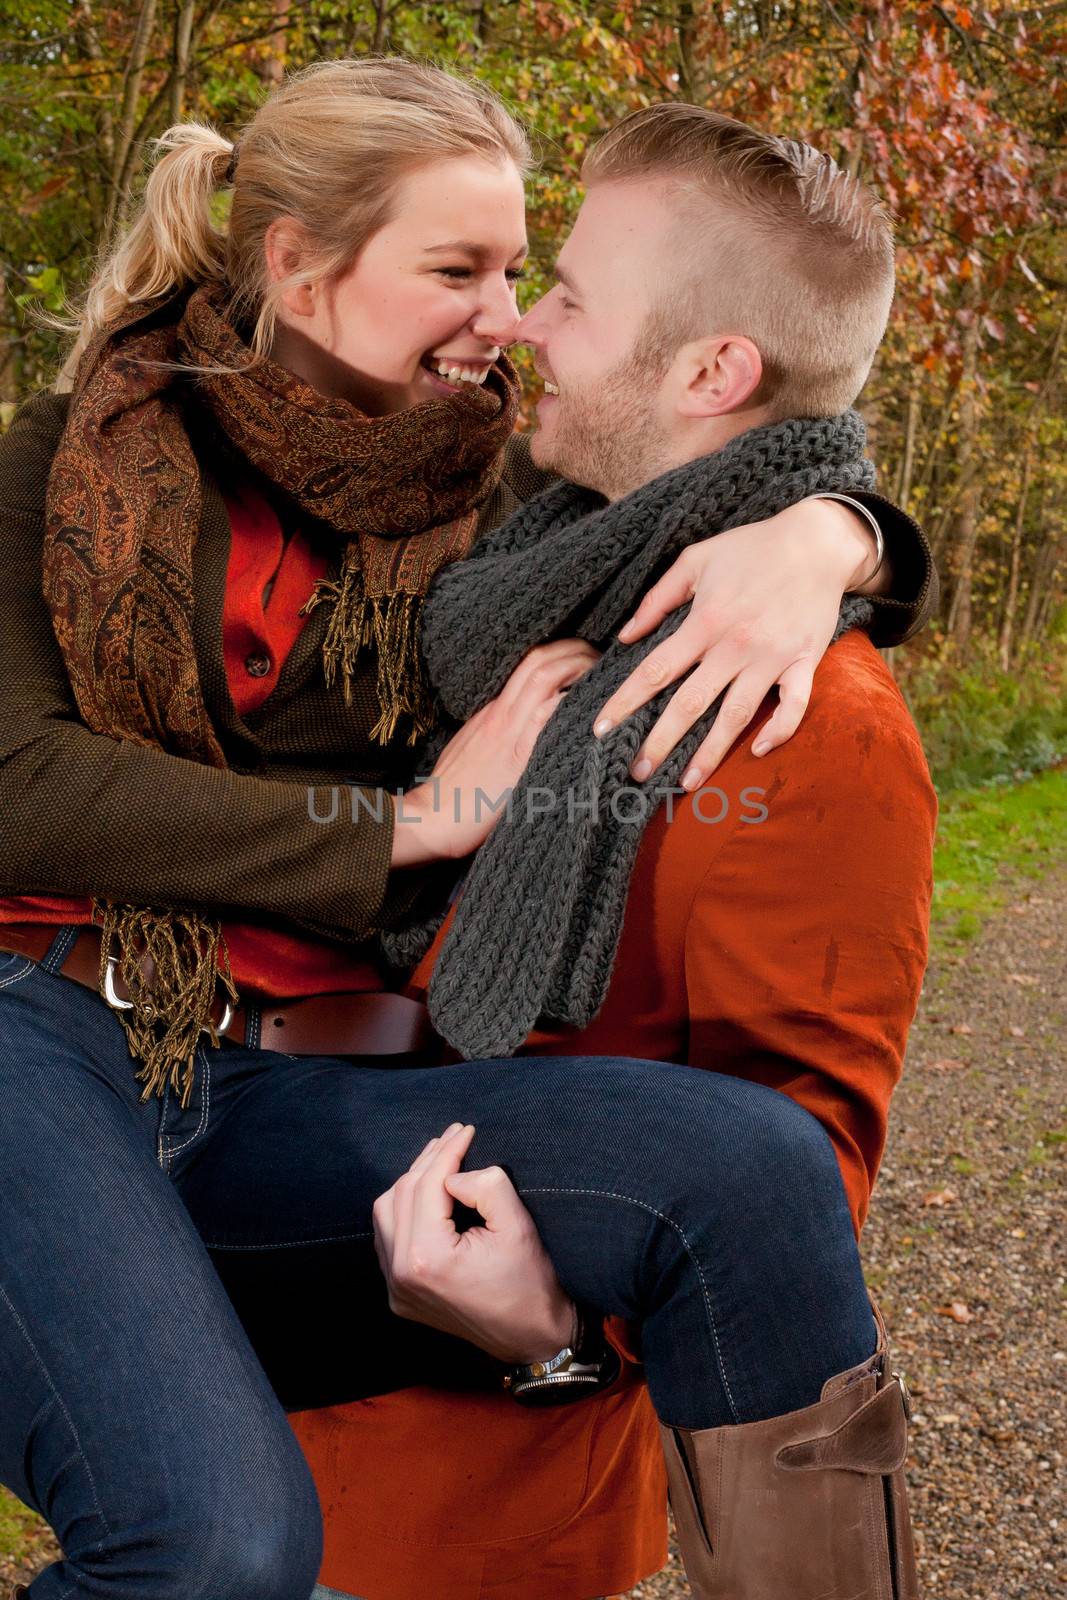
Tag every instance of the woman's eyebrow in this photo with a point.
(470, 246)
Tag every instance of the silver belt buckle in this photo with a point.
(118, 1004)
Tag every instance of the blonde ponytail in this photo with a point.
(327, 149)
(173, 240)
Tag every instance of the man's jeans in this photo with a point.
(140, 1410)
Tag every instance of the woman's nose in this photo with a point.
(497, 318)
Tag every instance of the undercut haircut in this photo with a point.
(773, 240)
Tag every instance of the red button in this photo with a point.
(257, 666)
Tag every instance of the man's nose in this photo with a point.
(530, 328)
(497, 317)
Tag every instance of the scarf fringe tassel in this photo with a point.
(170, 963)
(391, 625)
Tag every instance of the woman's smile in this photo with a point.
(451, 374)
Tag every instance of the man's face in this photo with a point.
(604, 428)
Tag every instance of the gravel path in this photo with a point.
(965, 1246)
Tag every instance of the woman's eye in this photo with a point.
(461, 274)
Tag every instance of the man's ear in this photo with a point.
(283, 251)
(717, 375)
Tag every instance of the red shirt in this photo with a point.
(268, 579)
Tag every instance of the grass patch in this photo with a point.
(986, 840)
(18, 1526)
(980, 724)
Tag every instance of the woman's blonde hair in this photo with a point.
(328, 149)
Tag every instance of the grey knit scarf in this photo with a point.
(538, 923)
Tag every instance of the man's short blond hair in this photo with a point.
(783, 246)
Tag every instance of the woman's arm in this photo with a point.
(85, 814)
(764, 601)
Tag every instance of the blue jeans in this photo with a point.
(171, 1280)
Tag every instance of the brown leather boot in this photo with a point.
(809, 1506)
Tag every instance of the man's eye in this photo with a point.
(516, 274)
(568, 305)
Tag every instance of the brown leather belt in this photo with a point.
(364, 1024)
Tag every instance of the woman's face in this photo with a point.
(430, 301)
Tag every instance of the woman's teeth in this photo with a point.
(454, 374)
(550, 388)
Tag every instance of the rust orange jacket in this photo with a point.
(776, 929)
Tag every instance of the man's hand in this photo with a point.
(765, 599)
(493, 1285)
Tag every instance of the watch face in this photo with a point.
(559, 1390)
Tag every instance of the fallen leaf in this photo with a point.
(940, 1197)
(946, 1064)
(1025, 980)
(1017, 1033)
(1046, 944)
(1020, 910)
(961, 1027)
(957, 1312)
(1017, 1233)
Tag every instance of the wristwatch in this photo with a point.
(574, 1373)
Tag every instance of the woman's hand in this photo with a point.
(492, 1285)
(454, 811)
(765, 603)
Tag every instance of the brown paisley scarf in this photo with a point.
(123, 510)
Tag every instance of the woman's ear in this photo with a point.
(719, 375)
(284, 250)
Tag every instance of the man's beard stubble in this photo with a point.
(607, 435)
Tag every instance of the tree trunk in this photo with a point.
(686, 26)
(871, 403)
(381, 26)
(907, 460)
(966, 532)
(1033, 431)
(183, 49)
(125, 149)
(274, 71)
(1047, 598)
(1041, 571)
(10, 354)
(100, 183)
(1007, 621)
